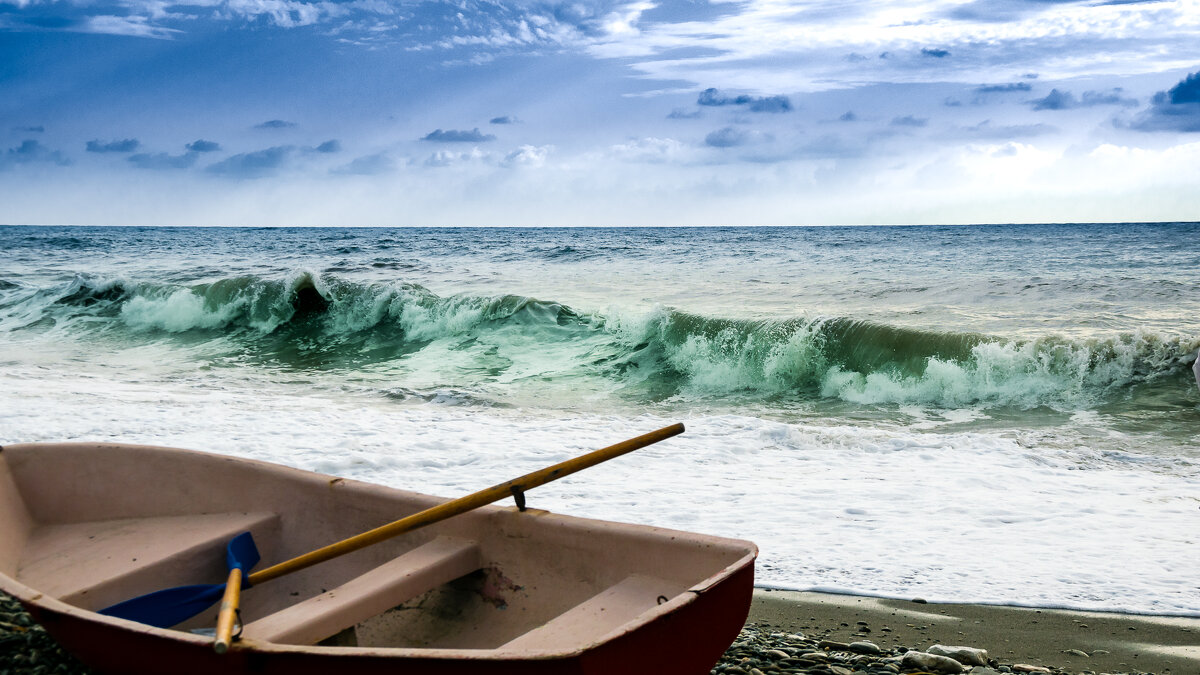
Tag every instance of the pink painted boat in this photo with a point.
(495, 590)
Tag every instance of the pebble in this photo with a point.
(931, 662)
(968, 656)
(864, 647)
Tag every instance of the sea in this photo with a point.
(991, 413)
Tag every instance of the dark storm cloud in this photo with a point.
(458, 136)
(275, 124)
(202, 145)
(728, 137)
(1065, 100)
(31, 152)
(126, 145)
(768, 104)
(1177, 109)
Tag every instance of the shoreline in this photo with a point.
(1071, 640)
(1051, 640)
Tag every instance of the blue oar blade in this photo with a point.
(168, 607)
(171, 606)
(242, 554)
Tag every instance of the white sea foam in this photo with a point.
(1031, 519)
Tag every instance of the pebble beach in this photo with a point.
(822, 634)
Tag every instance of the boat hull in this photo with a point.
(708, 626)
(525, 592)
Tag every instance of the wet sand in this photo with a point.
(1113, 643)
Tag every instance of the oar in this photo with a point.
(175, 605)
(171, 606)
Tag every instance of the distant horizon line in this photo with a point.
(602, 227)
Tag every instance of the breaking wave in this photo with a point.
(306, 320)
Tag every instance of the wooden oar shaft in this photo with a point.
(463, 504)
(228, 613)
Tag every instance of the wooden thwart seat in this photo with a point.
(426, 567)
(98, 563)
(598, 615)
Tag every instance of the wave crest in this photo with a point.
(307, 320)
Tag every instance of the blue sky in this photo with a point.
(681, 112)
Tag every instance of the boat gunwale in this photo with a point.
(33, 598)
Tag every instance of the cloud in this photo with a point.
(651, 150)
(935, 53)
(275, 124)
(446, 157)
(1065, 100)
(681, 114)
(1187, 91)
(1177, 109)
(202, 145)
(129, 26)
(988, 131)
(728, 137)
(253, 164)
(909, 121)
(770, 104)
(126, 145)
(457, 136)
(504, 119)
(39, 129)
(848, 116)
(1004, 88)
(30, 152)
(330, 146)
(162, 160)
(368, 165)
(526, 155)
(732, 137)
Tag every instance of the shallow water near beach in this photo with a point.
(1001, 414)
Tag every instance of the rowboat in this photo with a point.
(496, 590)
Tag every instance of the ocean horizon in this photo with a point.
(965, 413)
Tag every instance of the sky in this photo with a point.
(678, 112)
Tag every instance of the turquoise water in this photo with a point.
(1067, 346)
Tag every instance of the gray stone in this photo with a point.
(778, 654)
(931, 662)
(1076, 652)
(968, 656)
(864, 647)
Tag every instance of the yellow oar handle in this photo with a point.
(463, 504)
(228, 614)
